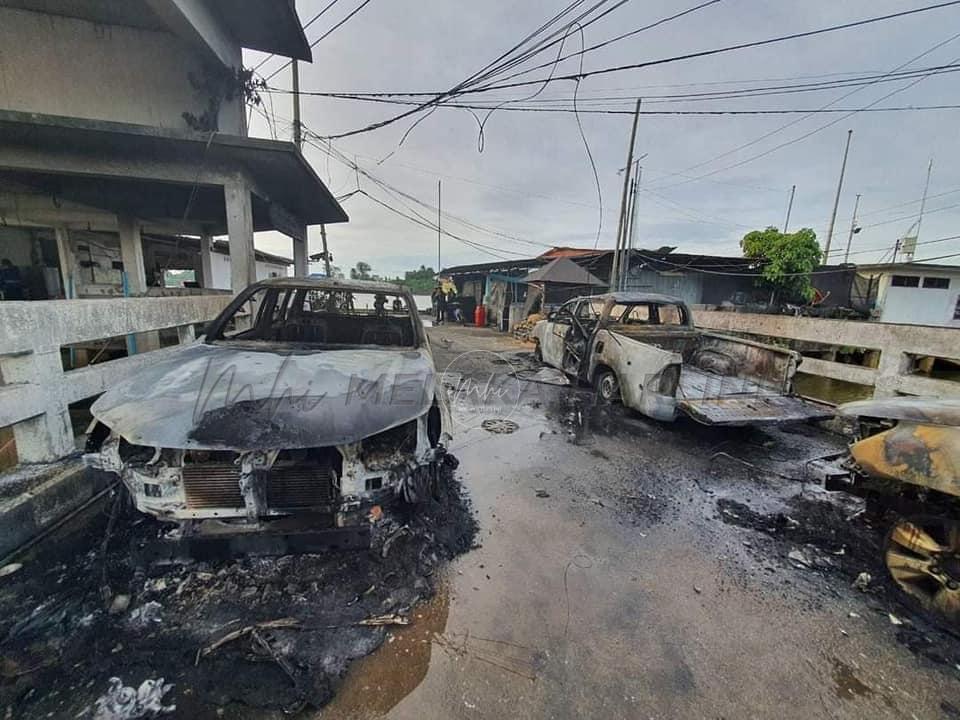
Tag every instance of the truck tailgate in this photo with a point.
(753, 410)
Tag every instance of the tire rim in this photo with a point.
(923, 557)
(609, 387)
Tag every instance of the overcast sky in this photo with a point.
(533, 181)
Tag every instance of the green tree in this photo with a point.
(361, 271)
(787, 260)
(419, 281)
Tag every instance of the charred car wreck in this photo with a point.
(643, 350)
(305, 400)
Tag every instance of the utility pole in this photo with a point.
(635, 193)
(298, 141)
(627, 229)
(326, 253)
(617, 260)
(923, 200)
(836, 201)
(853, 229)
(438, 229)
(786, 223)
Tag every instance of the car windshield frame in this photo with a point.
(616, 317)
(276, 307)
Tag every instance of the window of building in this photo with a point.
(956, 310)
(936, 283)
(905, 281)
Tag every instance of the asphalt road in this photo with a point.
(635, 570)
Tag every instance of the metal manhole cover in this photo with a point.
(503, 427)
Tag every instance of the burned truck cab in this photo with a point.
(310, 399)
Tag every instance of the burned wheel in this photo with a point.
(923, 557)
(608, 387)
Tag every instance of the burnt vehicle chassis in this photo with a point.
(905, 462)
(268, 466)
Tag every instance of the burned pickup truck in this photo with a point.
(643, 350)
(305, 398)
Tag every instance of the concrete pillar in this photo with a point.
(301, 263)
(48, 436)
(131, 253)
(206, 261)
(243, 264)
(67, 261)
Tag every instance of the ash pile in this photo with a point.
(87, 632)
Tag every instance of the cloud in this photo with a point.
(533, 180)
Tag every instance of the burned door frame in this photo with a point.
(579, 338)
(553, 341)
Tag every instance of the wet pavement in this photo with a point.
(622, 568)
(630, 569)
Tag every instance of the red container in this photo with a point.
(480, 316)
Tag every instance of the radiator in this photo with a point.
(210, 486)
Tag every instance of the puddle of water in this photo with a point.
(376, 683)
(835, 392)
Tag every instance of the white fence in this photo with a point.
(897, 344)
(36, 392)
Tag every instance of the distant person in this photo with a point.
(439, 304)
(453, 307)
(380, 304)
(397, 304)
(11, 283)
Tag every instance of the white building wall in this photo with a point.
(920, 305)
(221, 271)
(66, 66)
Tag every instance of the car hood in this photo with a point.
(237, 398)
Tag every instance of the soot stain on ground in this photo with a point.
(59, 655)
(840, 545)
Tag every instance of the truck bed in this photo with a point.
(715, 399)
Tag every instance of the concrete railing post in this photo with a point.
(894, 363)
(47, 436)
(186, 334)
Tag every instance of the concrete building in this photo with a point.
(913, 293)
(123, 154)
(130, 118)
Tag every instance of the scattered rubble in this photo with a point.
(126, 703)
(233, 638)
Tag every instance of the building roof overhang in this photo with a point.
(282, 178)
(267, 25)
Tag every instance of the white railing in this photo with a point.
(36, 392)
(897, 344)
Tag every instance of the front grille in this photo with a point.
(289, 487)
(212, 485)
(296, 487)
